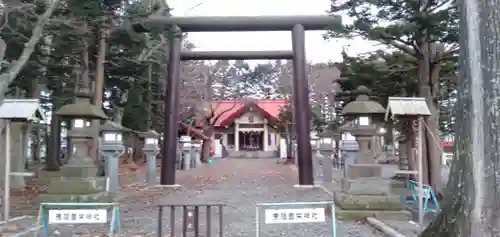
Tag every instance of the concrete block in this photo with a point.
(342, 214)
(97, 197)
(76, 186)
(364, 171)
(368, 202)
(44, 197)
(94, 197)
(398, 187)
(366, 186)
(79, 171)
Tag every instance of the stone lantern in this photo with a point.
(325, 151)
(151, 150)
(79, 181)
(364, 191)
(111, 146)
(363, 111)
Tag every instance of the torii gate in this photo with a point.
(296, 24)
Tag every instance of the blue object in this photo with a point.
(43, 219)
(211, 161)
(429, 195)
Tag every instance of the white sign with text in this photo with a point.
(302, 215)
(78, 216)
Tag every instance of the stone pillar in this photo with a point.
(327, 152)
(186, 153)
(273, 140)
(364, 192)
(2, 154)
(195, 153)
(18, 153)
(316, 158)
(224, 139)
(266, 137)
(402, 153)
(236, 137)
(112, 166)
(151, 172)
(185, 149)
(338, 163)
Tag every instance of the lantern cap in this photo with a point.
(82, 108)
(110, 126)
(150, 134)
(363, 105)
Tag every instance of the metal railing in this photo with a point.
(192, 219)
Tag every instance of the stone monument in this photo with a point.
(364, 192)
(78, 181)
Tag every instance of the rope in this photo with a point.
(436, 141)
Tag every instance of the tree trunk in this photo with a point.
(389, 135)
(205, 150)
(289, 143)
(206, 145)
(429, 88)
(52, 160)
(137, 153)
(98, 94)
(150, 98)
(433, 149)
(469, 208)
(35, 132)
(429, 154)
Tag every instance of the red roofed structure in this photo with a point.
(226, 111)
(247, 124)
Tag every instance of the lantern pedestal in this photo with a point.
(364, 192)
(78, 181)
(77, 184)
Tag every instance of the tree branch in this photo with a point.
(214, 117)
(8, 77)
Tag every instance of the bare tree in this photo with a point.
(323, 84)
(13, 69)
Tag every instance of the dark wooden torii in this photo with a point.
(296, 24)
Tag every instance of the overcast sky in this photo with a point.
(317, 49)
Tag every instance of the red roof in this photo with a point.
(448, 144)
(227, 110)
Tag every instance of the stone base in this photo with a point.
(252, 154)
(398, 187)
(306, 186)
(76, 185)
(78, 171)
(342, 214)
(172, 186)
(355, 171)
(101, 197)
(369, 198)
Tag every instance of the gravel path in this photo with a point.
(238, 183)
(241, 184)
